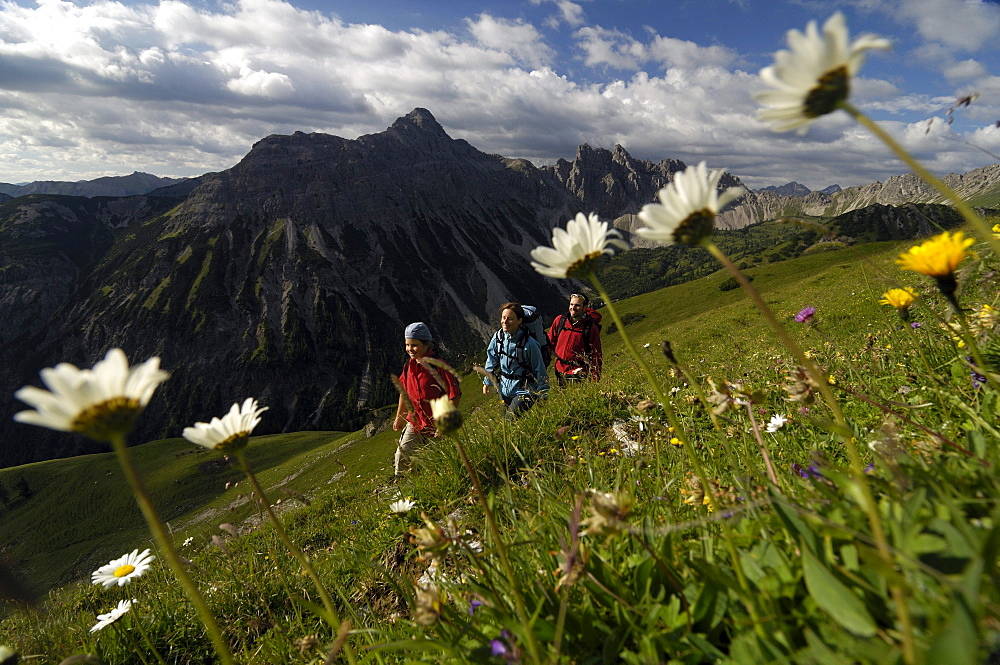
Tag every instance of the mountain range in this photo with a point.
(126, 185)
(290, 276)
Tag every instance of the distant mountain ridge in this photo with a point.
(979, 187)
(789, 189)
(290, 276)
(127, 185)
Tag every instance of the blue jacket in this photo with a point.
(511, 376)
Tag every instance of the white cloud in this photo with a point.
(261, 84)
(619, 50)
(176, 88)
(570, 13)
(519, 39)
(964, 70)
(964, 25)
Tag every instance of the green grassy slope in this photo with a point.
(81, 513)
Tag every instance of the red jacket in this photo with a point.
(421, 388)
(577, 345)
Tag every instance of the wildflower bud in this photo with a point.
(428, 603)
(307, 643)
(221, 544)
(799, 386)
(432, 541)
(646, 405)
(609, 512)
(446, 417)
(668, 352)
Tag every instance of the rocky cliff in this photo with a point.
(290, 277)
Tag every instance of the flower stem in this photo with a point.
(771, 475)
(699, 470)
(296, 552)
(166, 545)
(857, 467)
(964, 208)
(512, 579)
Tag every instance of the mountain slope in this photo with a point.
(290, 277)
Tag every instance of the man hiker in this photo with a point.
(575, 339)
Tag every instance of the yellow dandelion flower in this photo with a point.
(674, 441)
(899, 298)
(937, 257)
(996, 230)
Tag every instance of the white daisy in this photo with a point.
(401, 506)
(814, 76)
(105, 620)
(123, 570)
(446, 417)
(777, 422)
(101, 403)
(688, 205)
(230, 432)
(576, 249)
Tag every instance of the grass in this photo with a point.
(616, 557)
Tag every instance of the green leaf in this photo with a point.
(834, 598)
(832, 427)
(956, 643)
(793, 523)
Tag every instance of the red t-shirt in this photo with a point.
(421, 387)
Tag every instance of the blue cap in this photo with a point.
(418, 330)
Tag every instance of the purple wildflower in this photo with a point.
(498, 648)
(805, 314)
(916, 324)
(978, 380)
(870, 467)
(473, 605)
(811, 471)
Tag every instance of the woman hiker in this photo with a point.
(515, 359)
(421, 386)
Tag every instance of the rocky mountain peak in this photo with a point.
(419, 119)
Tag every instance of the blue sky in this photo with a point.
(181, 87)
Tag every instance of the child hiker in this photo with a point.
(421, 386)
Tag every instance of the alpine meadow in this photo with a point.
(788, 457)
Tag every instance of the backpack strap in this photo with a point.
(519, 349)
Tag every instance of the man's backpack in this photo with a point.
(591, 317)
(532, 323)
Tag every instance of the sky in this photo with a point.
(183, 87)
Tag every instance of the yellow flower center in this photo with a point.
(695, 228)
(124, 571)
(233, 443)
(586, 264)
(832, 89)
(108, 419)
